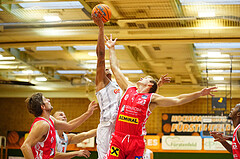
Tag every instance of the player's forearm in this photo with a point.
(73, 124)
(27, 151)
(227, 146)
(101, 43)
(82, 136)
(185, 98)
(67, 155)
(113, 59)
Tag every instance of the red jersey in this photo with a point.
(133, 112)
(236, 144)
(45, 149)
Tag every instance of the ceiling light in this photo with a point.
(206, 14)
(11, 67)
(27, 72)
(41, 79)
(28, 0)
(132, 71)
(73, 72)
(92, 53)
(52, 5)
(7, 58)
(49, 48)
(8, 62)
(218, 78)
(51, 18)
(94, 61)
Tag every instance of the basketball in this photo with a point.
(104, 10)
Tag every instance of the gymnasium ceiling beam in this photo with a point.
(131, 42)
(26, 59)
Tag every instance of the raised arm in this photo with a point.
(120, 78)
(68, 155)
(39, 130)
(161, 101)
(73, 124)
(101, 79)
(77, 138)
(222, 139)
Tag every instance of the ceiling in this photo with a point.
(196, 42)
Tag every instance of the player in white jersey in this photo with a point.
(108, 94)
(63, 139)
(148, 154)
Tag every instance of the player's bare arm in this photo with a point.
(220, 138)
(80, 153)
(101, 79)
(77, 138)
(161, 101)
(120, 78)
(38, 134)
(73, 124)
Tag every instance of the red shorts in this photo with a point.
(125, 146)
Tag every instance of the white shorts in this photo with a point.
(104, 133)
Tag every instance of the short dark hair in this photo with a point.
(34, 103)
(154, 87)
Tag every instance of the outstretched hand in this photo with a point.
(97, 19)
(110, 43)
(84, 153)
(208, 91)
(163, 79)
(218, 136)
(92, 106)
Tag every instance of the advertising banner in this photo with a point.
(181, 142)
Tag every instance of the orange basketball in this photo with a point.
(104, 10)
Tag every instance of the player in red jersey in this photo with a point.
(136, 105)
(235, 147)
(41, 141)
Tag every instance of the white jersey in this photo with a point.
(61, 142)
(147, 154)
(109, 100)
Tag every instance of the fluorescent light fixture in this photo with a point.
(216, 65)
(209, 2)
(132, 71)
(25, 72)
(73, 72)
(93, 47)
(214, 54)
(214, 60)
(218, 78)
(206, 14)
(27, 0)
(49, 48)
(52, 18)
(52, 5)
(8, 62)
(7, 58)
(92, 53)
(216, 45)
(41, 79)
(21, 49)
(11, 67)
(95, 61)
(221, 71)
